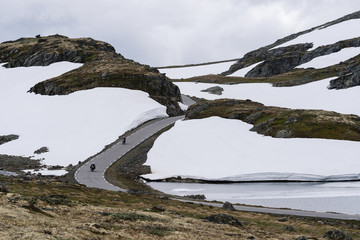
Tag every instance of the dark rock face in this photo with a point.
(8, 138)
(337, 235)
(214, 90)
(349, 78)
(228, 206)
(224, 219)
(280, 60)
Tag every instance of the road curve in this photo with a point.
(104, 160)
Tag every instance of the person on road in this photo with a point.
(124, 140)
(92, 167)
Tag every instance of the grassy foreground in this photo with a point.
(48, 209)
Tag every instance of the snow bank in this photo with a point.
(313, 95)
(329, 35)
(187, 72)
(223, 149)
(73, 126)
(242, 72)
(47, 172)
(332, 59)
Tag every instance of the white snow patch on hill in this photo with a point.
(224, 149)
(313, 95)
(242, 72)
(187, 72)
(332, 59)
(320, 37)
(73, 127)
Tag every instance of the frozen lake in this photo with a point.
(341, 197)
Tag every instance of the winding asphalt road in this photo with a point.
(104, 160)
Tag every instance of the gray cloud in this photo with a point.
(162, 32)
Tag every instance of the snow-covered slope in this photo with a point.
(187, 72)
(223, 149)
(73, 127)
(314, 95)
(332, 34)
(331, 59)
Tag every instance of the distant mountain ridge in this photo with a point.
(275, 61)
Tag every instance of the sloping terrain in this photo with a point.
(277, 63)
(103, 67)
(281, 122)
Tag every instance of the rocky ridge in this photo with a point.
(103, 67)
(281, 122)
(284, 59)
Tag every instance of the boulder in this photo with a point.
(285, 133)
(228, 206)
(214, 90)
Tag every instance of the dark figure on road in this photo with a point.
(92, 167)
(124, 140)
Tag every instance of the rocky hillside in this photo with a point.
(281, 122)
(279, 63)
(103, 67)
(284, 59)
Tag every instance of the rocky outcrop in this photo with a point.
(8, 138)
(280, 60)
(261, 53)
(214, 90)
(223, 219)
(228, 206)
(16, 163)
(281, 122)
(43, 51)
(349, 78)
(103, 67)
(337, 235)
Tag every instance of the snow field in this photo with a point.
(332, 59)
(187, 72)
(218, 149)
(329, 35)
(313, 95)
(73, 127)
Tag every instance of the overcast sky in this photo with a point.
(163, 32)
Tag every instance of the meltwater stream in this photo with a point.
(340, 197)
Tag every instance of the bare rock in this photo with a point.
(228, 206)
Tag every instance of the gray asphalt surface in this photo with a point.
(104, 160)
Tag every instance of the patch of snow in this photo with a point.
(187, 190)
(183, 106)
(242, 72)
(329, 35)
(47, 172)
(224, 149)
(313, 95)
(187, 72)
(7, 173)
(73, 126)
(332, 59)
